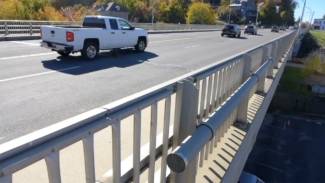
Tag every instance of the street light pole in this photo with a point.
(152, 12)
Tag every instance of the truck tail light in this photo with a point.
(70, 36)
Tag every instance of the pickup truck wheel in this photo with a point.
(64, 53)
(90, 51)
(141, 46)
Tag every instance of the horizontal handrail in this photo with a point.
(190, 148)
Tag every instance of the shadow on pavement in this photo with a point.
(241, 37)
(77, 65)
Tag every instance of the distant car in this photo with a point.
(246, 177)
(275, 29)
(283, 28)
(231, 30)
(250, 29)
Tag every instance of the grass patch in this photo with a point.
(292, 81)
(320, 37)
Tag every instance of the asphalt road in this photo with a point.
(38, 88)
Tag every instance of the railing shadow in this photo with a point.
(76, 65)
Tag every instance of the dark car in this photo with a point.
(231, 30)
(283, 28)
(251, 29)
(275, 29)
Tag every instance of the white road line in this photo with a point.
(26, 43)
(191, 46)
(170, 40)
(24, 56)
(37, 74)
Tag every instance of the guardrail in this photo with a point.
(19, 27)
(201, 105)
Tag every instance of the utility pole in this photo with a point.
(302, 17)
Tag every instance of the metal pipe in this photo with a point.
(191, 146)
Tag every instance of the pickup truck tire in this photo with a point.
(141, 45)
(64, 53)
(90, 50)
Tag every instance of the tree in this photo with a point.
(201, 13)
(268, 14)
(287, 8)
(64, 3)
(29, 10)
(172, 12)
(224, 10)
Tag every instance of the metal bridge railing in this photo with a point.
(198, 108)
(29, 28)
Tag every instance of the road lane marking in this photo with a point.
(26, 43)
(171, 40)
(191, 46)
(24, 56)
(37, 74)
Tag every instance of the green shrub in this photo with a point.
(201, 13)
(308, 45)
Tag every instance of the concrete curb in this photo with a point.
(21, 38)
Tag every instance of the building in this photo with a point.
(112, 9)
(214, 3)
(319, 24)
(249, 10)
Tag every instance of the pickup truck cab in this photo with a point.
(96, 33)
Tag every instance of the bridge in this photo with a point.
(187, 110)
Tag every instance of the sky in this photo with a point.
(312, 5)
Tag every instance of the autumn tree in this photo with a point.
(201, 13)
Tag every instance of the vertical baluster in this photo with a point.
(53, 167)
(203, 97)
(208, 97)
(136, 146)
(89, 158)
(116, 139)
(153, 134)
(214, 92)
(219, 89)
(165, 140)
(206, 115)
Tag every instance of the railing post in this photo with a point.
(261, 82)
(53, 167)
(243, 107)
(6, 28)
(30, 28)
(89, 158)
(186, 113)
(275, 56)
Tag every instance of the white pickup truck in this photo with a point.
(96, 33)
